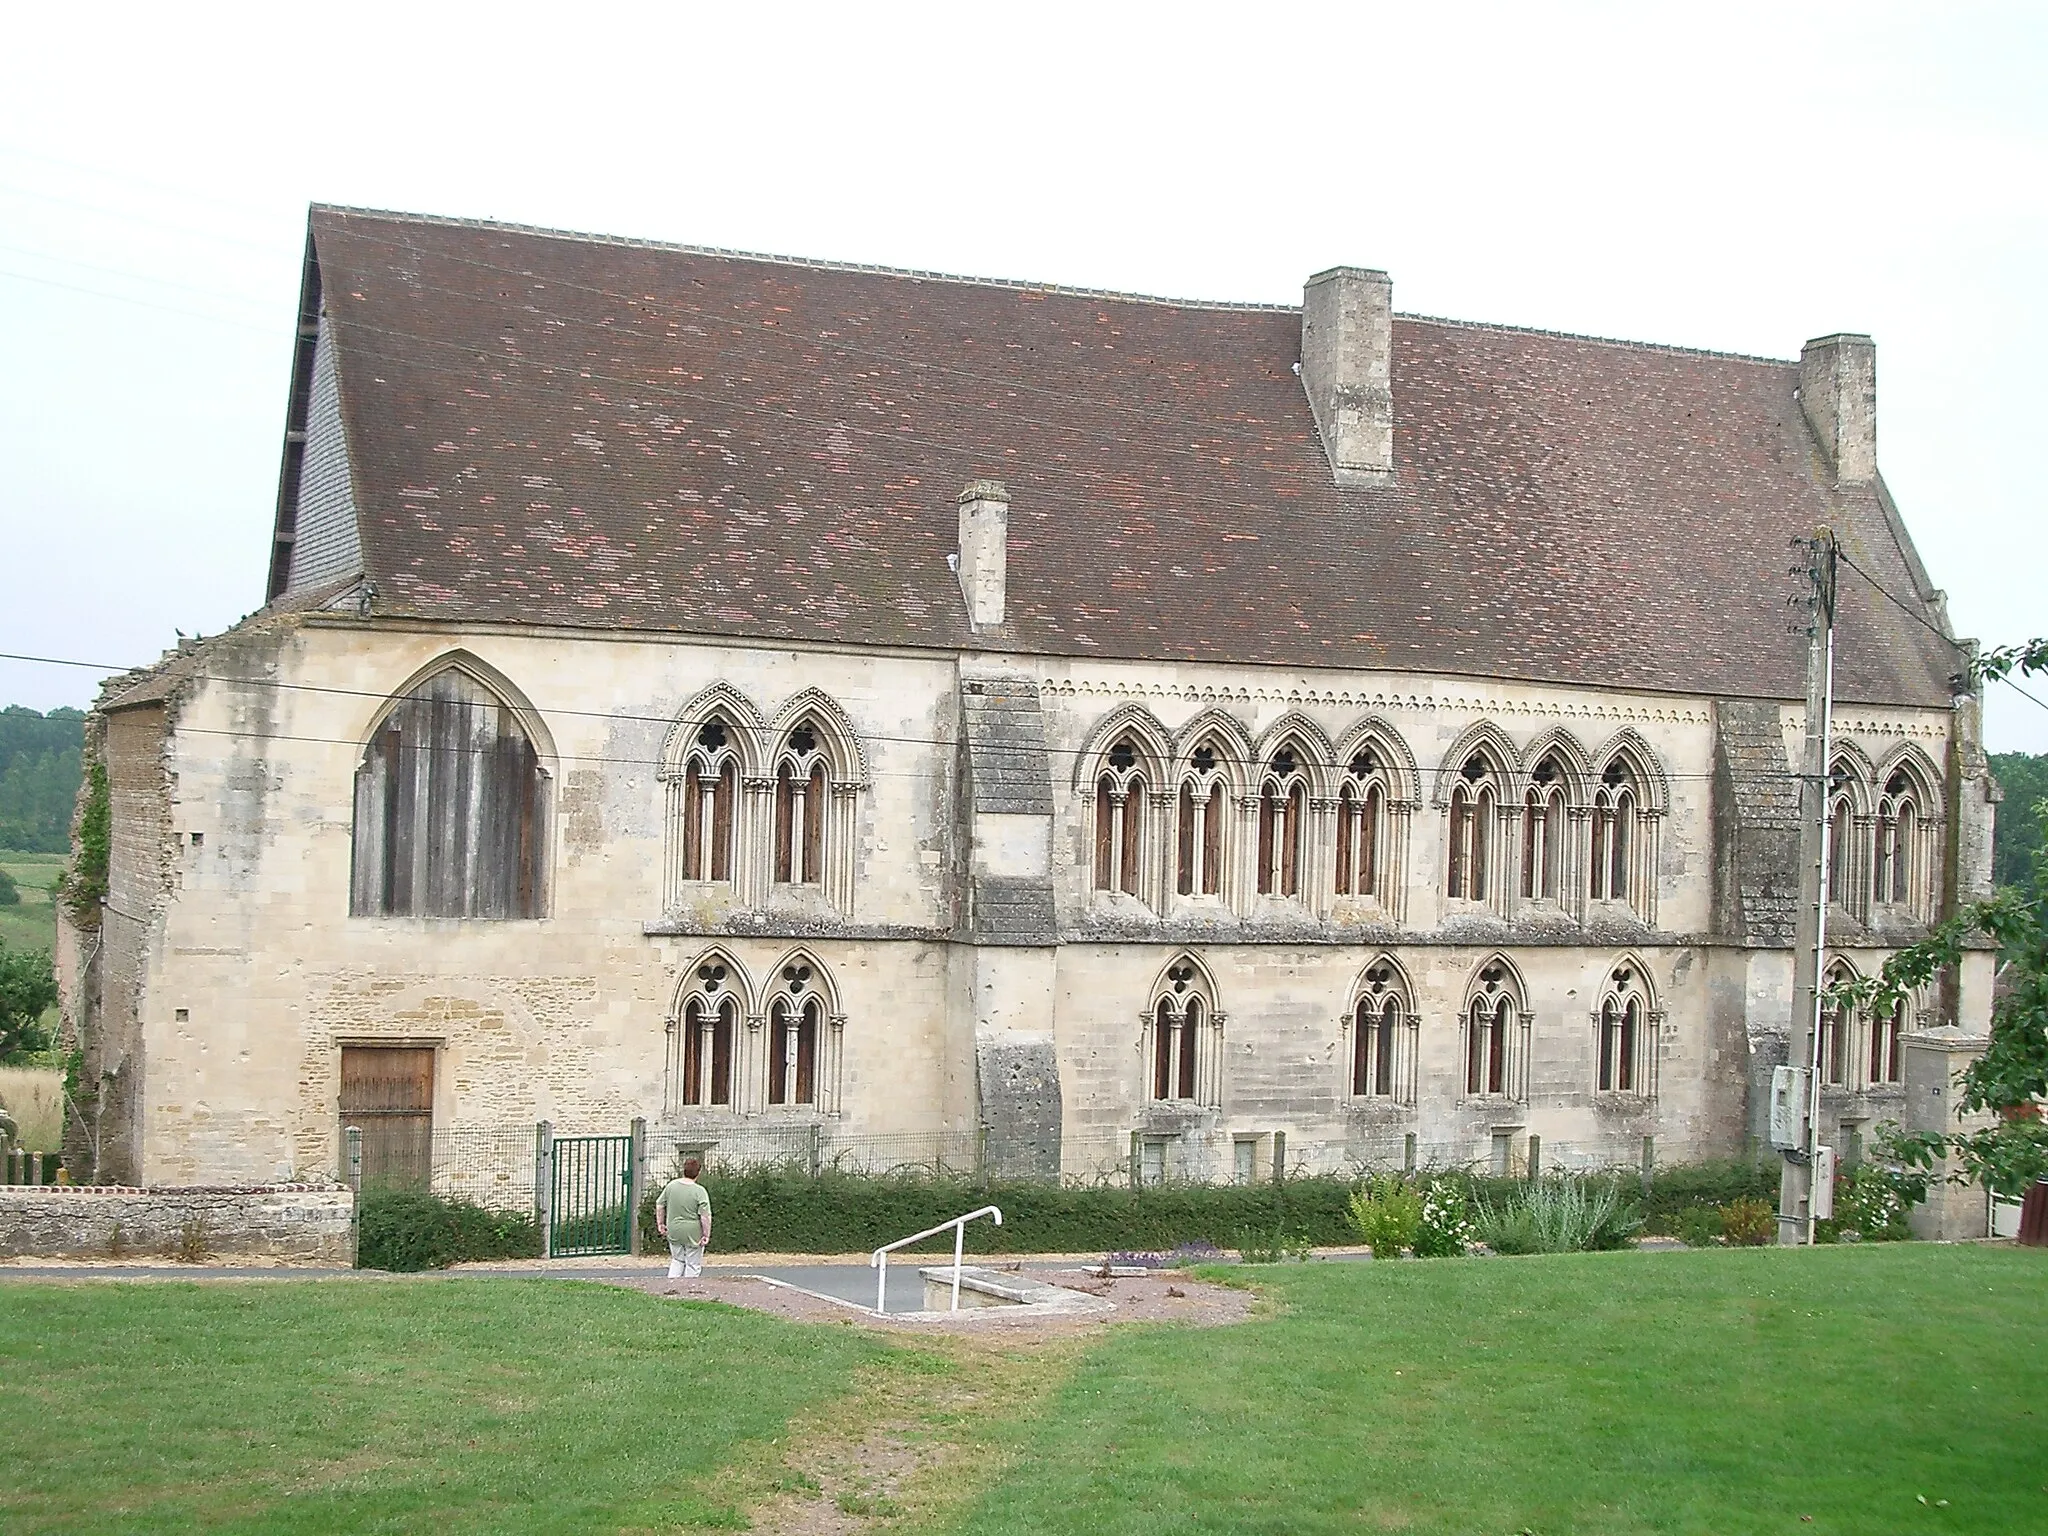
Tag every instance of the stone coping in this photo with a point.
(173, 1189)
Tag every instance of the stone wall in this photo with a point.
(294, 1223)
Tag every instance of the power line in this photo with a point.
(1901, 605)
(665, 720)
(122, 298)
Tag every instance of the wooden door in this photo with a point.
(388, 1092)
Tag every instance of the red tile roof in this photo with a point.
(567, 430)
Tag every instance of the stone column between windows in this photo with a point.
(1242, 892)
(750, 1065)
(753, 857)
(1156, 874)
(1575, 873)
(1318, 856)
(1504, 895)
(1650, 851)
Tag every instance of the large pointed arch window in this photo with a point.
(1837, 1046)
(1846, 864)
(1120, 792)
(1904, 844)
(450, 807)
(1475, 803)
(1283, 822)
(1202, 797)
(796, 1034)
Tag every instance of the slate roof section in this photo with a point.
(1756, 808)
(1014, 911)
(569, 430)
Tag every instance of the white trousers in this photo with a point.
(685, 1260)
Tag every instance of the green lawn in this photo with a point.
(32, 923)
(1715, 1391)
(435, 1406)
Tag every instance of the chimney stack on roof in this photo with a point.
(1347, 357)
(1838, 392)
(984, 552)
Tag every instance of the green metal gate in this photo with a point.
(591, 1189)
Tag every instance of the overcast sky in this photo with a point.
(1728, 176)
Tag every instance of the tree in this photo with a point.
(2011, 1077)
(39, 768)
(2024, 778)
(28, 989)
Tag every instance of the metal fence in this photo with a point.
(490, 1165)
(815, 1149)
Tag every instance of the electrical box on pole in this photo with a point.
(1788, 1108)
(1823, 1182)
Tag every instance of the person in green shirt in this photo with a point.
(682, 1214)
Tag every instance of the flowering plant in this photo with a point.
(1446, 1229)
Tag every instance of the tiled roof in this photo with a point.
(564, 430)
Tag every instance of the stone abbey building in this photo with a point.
(802, 704)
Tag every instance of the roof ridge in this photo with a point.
(809, 263)
(1599, 341)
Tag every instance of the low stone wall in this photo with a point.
(290, 1223)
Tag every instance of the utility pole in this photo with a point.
(1795, 1091)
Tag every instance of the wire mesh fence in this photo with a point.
(493, 1166)
(816, 1149)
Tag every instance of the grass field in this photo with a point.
(32, 923)
(1719, 1391)
(34, 1096)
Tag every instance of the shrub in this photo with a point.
(409, 1229)
(1749, 1223)
(1700, 1226)
(1385, 1212)
(1255, 1247)
(1564, 1213)
(1445, 1230)
(1871, 1203)
(790, 1210)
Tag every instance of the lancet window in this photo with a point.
(1475, 802)
(1625, 1029)
(1203, 796)
(1886, 1065)
(1120, 794)
(1543, 832)
(1496, 1031)
(802, 806)
(1283, 822)
(1616, 801)
(451, 807)
(1844, 866)
(1383, 1029)
(1362, 816)
(1836, 1050)
(1905, 841)
(710, 802)
(709, 1029)
(1183, 1037)
(796, 1027)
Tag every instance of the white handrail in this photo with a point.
(880, 1260)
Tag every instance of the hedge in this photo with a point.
(792, 1211)
(405, 1229)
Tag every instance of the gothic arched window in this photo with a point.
(708, 1023)
(1625, 1043)
(1475, 801)
(1495, 1026)
(1837, 1027)
(1886, 1065)
(796, 1020)
(802, 806)
(450, 808)
(1283, 822)
(1182, 1050)
(1902, 812)
(710, 798)
(1617, 805)
(1119, 820)
(1846, 863)
(1381, 1025)
(1202, 798)
(1543, 832)
(1361, 826)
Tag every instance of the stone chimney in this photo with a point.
(1838, 392)
(984, 550)
(1347, 355)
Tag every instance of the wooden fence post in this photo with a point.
(1535, 1158)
